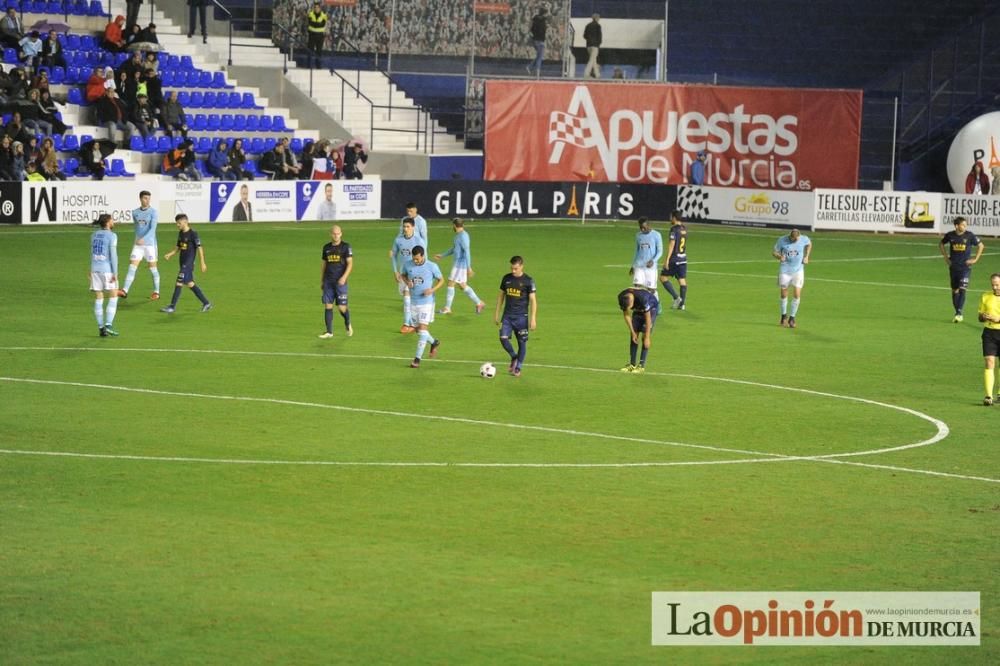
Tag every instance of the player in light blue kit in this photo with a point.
(424, 278)
(461, 270)
(399, 255)
(792, 251)
(419, 225)
(104, 274)
(145, 218)
(648, 252)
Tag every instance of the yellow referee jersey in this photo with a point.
(990, 304)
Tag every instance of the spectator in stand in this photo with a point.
(31, 151)
(148, 36)
(18, 162)
(32, 114)
(154, 91)
(6, 159)
(127, 90)
(31, 49)
(32, 174)
(11, 30)
(180, 162)
(354, 157)
(41, 80)
(238, 160)
(50, 162)
(152, 62)
(93, 160)
(337, 157)
(977, 182)
(95, 85)
(698, 168)
(112, 115)
(15, 129)
(218, 162)
(132, 14)
(109, 80)
(131, 66)
(592, 35)
(316, 20)
(273, 165)
(199, 6)
(306, 159)
(52, 51)
(539, 25)
(291, 161)
(132, 36)
(48, 112)
(174, 118)
(141, 118)
(114, 40)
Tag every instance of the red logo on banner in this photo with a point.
(754, 137)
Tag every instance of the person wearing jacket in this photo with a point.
(112, 114)
(977, 182)
(173, 116)
(95, 86)
(238, 160)
(179, 162)
(354, 157)
(114, 40)
(50, 163)
(47, 112)
(52, 51)
(218, 161)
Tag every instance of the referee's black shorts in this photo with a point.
(991, 342)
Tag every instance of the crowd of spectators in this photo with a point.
(429, 28)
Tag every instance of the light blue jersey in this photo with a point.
(648, 248)
(423, 277)
(401, 249)
(104, 252)
(145, 220)
(792, 253)
(419, 229)
(461, 249)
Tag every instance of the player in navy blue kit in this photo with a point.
(517, 296)
(338, 262)
(959, 258)
(188, 245)
(676, 263)
(639, 309)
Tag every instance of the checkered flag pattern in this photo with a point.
(692, 202)
(570, 129)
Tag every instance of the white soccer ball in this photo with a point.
(487, 371)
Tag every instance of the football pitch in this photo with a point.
(225, 487)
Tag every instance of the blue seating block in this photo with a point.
(149, 144)
(204, 145)
(228, 124)
(239, 122)
(71, 143)
(208, 100)
(75, 96)
(135, 143)
(255, 147)
(214, 122)
(197, 99)
(163, 144)
(278, 123)
(265, 123)
(200, 123)
(296, 145)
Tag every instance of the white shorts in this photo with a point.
(644, 277)
(459, 275)
(143, 252)
(792, 279)
(103, 282)
(422, 314)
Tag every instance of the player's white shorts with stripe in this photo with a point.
(422, 314)
(644, 277)
(459, 275)
(796, 279)
(103, 281)
(143, 252)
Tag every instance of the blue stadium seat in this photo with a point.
(269, 144)
(296, 145)
(265, 123)
(54, 7)
(208, 100)
(57, 76)
(222, 100)
(70, 166)
(33, 6)
(72, 75)
(135, 143)
(278, 123)
(255, 147)
(72, 42)
(75, 96)
(166, 77)
(202, 168)
(200, 122)
(88, 42)
(197, 98)
(234, 100)
(228, 124)
(149, 144)
(214, 122)
(71, 143)
(57, 142)
(120, 59)
(239, 122)
(117, 169)
(184, 97)
(96, 8)
(81, 7)
(249, 102)
(186, 63)
(163, 144)
(108, 60)
(219, 80)
(253, 123)
(251, 166)
(85, 138)
(204, 79)
(10, 56)
(204, 145)
(172, 62)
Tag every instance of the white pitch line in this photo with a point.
(773, 277)
(814, 262)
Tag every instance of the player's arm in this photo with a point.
(777, 253)
(496, 315)
(670, 251)
(627, 314)
(659, 251)
(979, 253)
(347, 273)
(984, 310)
(322, 272)
(467, 251)
(114, 255)
(809, 249)
(437, 285)
(201, 257)
(533, 310)
(944, 252)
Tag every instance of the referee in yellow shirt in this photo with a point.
(317, 19)
(989, 314)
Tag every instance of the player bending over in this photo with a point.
(638, 306)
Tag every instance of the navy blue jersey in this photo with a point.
(188, 244)
(960, 246)
(517, 294)
(679, 235)
(336, 257)
(645, 301)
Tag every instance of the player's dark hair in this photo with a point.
(623, 299)
(643, 220)
(145, 193)
(995, 275)
(959, 220)
(179, 217)
(410, 204)
(675, 215)
(417, 249)
(516, 259)
(103, 219)
(457, 222)
(409, 221)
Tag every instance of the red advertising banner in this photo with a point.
(775, 138)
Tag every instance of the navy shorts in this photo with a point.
(679, 271)
(960, 277)
(991, 342)
(639, 321)
(517, 324)
(334, 293)
(186, 274)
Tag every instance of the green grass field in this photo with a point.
(227, 488)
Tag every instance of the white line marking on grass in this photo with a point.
(893, 285)
(815, 262)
